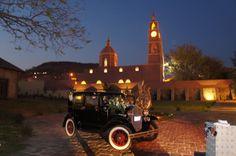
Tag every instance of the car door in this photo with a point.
(90, 111)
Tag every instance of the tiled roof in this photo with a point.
(9, 66)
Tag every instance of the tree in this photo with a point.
(45, 24)
(188, 63)
(233, 60)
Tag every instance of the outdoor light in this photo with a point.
(127, 81)
(120, 70)
(121, 81)
(71, 74)
(136, 69)
(99, 82)
(90, 71)
(83, 82)
(209, 94)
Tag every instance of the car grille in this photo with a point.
(136, 118)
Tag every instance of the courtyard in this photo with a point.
(181, 135)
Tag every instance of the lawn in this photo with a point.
(183, 106)
(13, 130)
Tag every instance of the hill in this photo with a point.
(62, 67)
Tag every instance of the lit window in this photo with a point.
(71, 74)
(127, 81)
(153, 26)
(159, 35)
(99, 82)
(120, 70)
(136, 69)
(90, 71)
(121, 81)
(83, 82)
(105, 62)
(105, 70)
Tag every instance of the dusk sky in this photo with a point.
(208, 24)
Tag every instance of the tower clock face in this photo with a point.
(153, 34)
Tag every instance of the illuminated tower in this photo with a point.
(108, 56)
(155, 48)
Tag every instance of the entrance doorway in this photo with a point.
(3, 88)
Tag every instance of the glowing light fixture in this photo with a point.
(90, 71)
(83, 82)
(76, 82)
(71, 74)
(136, 69)
(121, 81)
(120, 70)
(127, 81)
(73, 78)
(209, 94)
(105, 70)
(99, 82)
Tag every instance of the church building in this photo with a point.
(152, 73)
(126, 77)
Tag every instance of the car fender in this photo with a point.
(117, 121)
(65, 118)
(152, 117)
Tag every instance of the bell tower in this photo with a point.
(155, 47)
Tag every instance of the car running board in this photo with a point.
(140, 134)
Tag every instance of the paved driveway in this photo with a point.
(177, 137)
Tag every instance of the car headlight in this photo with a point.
(145, 112)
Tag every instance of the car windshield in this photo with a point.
(117, 100)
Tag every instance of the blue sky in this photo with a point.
(208, 24)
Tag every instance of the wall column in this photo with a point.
(186, 90)
(201, 95)
(158, 94)
(172, 94)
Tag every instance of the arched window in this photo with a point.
(121, 81)
(127, 81)
(99, 82)
(105, 63)
(83, 82)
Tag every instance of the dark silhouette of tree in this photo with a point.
(188, 63)
(233, 60)
(45, 24)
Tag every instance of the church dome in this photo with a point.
(108, 48)
(108, 56)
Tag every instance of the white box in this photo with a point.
(220, 139)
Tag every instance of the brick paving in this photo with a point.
(177, 137)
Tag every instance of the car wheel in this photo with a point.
(153, 125)
(70, 127)
(119, 137)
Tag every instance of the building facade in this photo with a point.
(126, 77)
(8, 79)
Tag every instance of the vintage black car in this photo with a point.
(114, 114)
